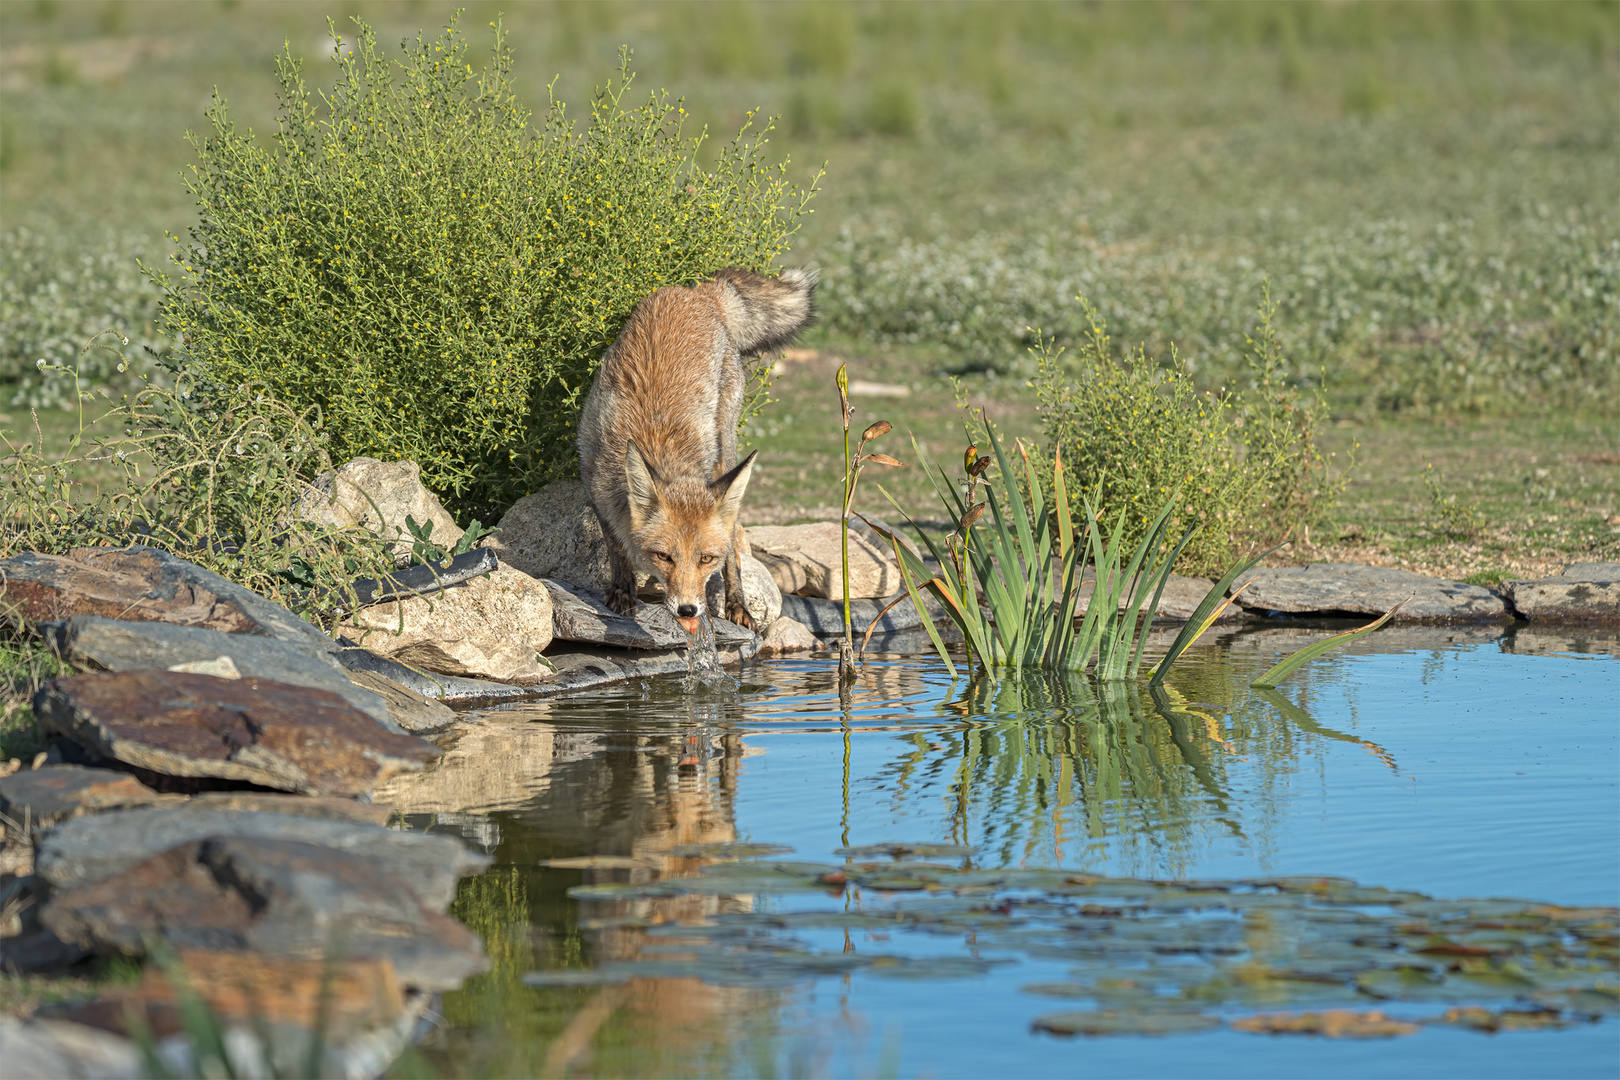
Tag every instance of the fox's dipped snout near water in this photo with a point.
(658, 434)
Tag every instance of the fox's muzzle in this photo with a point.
(687, 616)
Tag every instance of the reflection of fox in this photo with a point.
(658, 435)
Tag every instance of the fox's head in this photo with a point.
(682, 529)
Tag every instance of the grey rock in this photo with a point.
(86, 850)
(429, 684)
(587, 668)
(378, 496)
(292, 738)
(59, 1050)
(144, 584)
(808, 560)
(1180, 598)
(825, 618)
(97, 644)
(554, 534)
(26, 945)
(579, 615)
(270, 896)
(1271, 643)
(1366, 590)
(787, 635)
(915, 642)
(1584, 593)
(42, 797)
(761, 598)
(414, 712)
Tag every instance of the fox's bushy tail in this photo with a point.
(764, 312)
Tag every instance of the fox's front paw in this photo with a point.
(735, 612)
(622, 600)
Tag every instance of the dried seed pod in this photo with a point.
(977, 469)
(972, 515)
(969, 456)
(885, 459)
(876, 431)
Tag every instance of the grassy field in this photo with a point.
(1429, 188)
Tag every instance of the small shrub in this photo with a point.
(438, 277)
(1450, 515)
(1135, 433)
(212, 474)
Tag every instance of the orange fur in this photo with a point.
(658, 434)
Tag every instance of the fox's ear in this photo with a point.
(642, 484)
(728, 489)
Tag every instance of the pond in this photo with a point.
(1040, 877)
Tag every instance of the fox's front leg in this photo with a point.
(736, 610)
(621, 590)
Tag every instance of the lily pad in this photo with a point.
(571, 977)
(1480, 1019)
(598, 862)
(1331, 1023)
(734, 850)
(1109, 1022)
(896, 851)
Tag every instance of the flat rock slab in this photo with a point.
(1584, 593)
(428, 684)
(580, 615)
(85, 850)
(586, 668)
(825, 618)
(415, 713)
(45, 796)
(274, 897)
(58, 1048)
(1321, 588)
(1180, 598)
(96, 644)
(808, 560)
(291, 738)
(143, 584)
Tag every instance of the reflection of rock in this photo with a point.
(1365, 590)
(378, 496)
(95, 644)
(488, 766)
(1532, 639)
(1180, 599)
(807, 560)
(284, 898)
(1584, 593)
(287, 737)
(787, 635)
(492, 627)
(580, 615)
(1281, 641)
(142, 584)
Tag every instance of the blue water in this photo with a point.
(1457, 768)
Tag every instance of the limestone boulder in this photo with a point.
(291, 738)
(1324, 588)
(785, 635)
(554, 534)
(492, 627)
(378, 496)
(807, 560)
(1586, 592)
(761, 597)
(143, 584)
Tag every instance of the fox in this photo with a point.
(658, 435)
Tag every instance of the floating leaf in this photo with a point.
(935, 851)
(570, 977)
(1332, 1023)
(1511, 1019)
(598, 862)
(733, 850)
(1107, 1022)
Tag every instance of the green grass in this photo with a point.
(25, 664)
(1428, 187)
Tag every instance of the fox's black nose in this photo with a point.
(687, 611)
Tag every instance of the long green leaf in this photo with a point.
(1197, 624)
(1310, 652)
(916, 600)
(1158, 593)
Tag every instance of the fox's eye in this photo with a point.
(708, 560)
(660, 556)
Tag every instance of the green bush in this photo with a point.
(440, 277)
(1135, 432)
